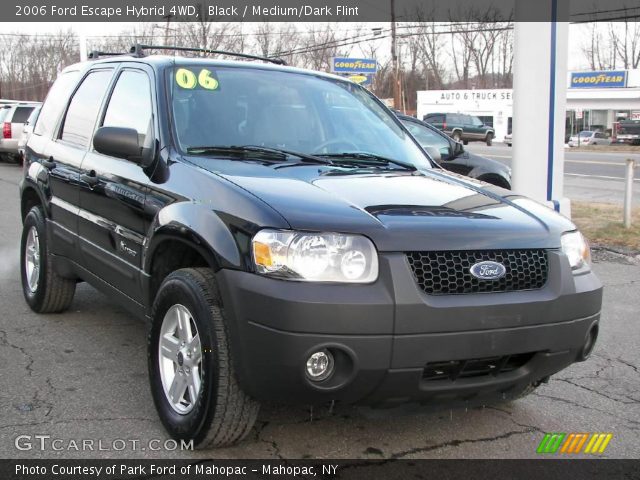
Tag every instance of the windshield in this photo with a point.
(586, 133)
(235, 106)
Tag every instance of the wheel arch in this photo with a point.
(30, 196)
(188, 235)
(487, 176)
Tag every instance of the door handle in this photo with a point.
(49, 164)
(90, 178)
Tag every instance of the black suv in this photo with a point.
(461, 127)
(288, 240)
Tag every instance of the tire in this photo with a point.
(465, 142)
(457, 136)
(219, 413)
(489, 139)
(45, 291)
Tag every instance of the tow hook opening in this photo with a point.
(590, 343)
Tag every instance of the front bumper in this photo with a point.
(383, 335)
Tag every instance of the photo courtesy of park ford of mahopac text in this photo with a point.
(337, 239)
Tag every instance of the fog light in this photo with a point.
(589, 343)
(320, 365)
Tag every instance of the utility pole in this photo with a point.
(82, 39)
(166, 29)
(394, 59)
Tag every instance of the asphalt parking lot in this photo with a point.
(83, 375)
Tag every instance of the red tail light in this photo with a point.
(444, 125)
(6, 130)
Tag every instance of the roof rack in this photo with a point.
(138, 50)
(95, 54)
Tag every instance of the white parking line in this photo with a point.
(595, 162)
(603, 177)
(588, 162)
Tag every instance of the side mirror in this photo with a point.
(118, 142)
(125, 143)
(434, 153)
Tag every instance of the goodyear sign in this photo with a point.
(608, 78)
(353, 65)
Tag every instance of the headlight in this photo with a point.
(315, 257)
(576, 248)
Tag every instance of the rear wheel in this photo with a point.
(489, 139)
(192, 375)
(44, 290)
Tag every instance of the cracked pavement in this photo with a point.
(83, 375)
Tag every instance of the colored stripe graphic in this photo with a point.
(598, 443)
(551, 442)
(572, 443)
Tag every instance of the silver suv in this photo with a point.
(13, 119)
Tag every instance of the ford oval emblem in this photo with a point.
(488, 270)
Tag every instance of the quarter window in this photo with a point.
(55, 102)
(84, 107)
(130, 103)
(21, 114)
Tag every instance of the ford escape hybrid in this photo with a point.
(288, 240)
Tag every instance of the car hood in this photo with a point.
(399, 210)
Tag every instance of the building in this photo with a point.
(595, 101)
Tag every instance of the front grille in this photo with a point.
(448, 272)
(478, 367)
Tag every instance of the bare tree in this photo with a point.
(271, 38)
(625, 42)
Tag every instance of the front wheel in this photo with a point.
(192, 375)
(44, 290)
(489, 139)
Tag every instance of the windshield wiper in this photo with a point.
(368, 159)
(268, 152)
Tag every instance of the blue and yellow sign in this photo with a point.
(353, 65)
(364, 80)
(608, 78)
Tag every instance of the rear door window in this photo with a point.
(84, 107)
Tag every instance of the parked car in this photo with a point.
(588, 137)
(452, 156)
(287, 240)
(461, 127)
(27, 129)
(508, 139)
(628, 131)
(4, 110)
(12, 123)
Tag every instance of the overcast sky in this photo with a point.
(577, 33)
